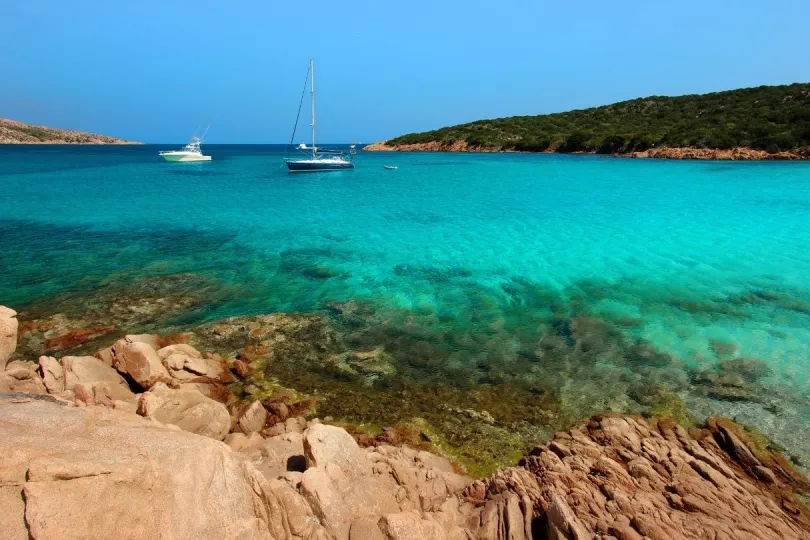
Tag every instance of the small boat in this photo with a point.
(190, 152)
(390, 167)
(321, 159)
(352, 149)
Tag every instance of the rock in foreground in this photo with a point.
(96, 473)
(8, 334)
(79, 463)
(70, 473)
(629, 479)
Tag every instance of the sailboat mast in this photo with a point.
(312, 102)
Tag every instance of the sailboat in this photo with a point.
(320, 159)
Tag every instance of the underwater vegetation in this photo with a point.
(485, 367)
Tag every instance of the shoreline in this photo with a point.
(73, 419)
(16, 132)
(69, 143)
(673, 153)
(357, 370)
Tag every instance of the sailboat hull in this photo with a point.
(315, 165)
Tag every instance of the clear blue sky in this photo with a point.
(154, 70)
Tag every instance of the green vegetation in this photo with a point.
(771, 118)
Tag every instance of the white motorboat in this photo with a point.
(190, 152)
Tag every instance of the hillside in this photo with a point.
(767, 119)
(14, 132)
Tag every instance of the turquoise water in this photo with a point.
(481, 256)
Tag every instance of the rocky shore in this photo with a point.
(153, 438)
(14, 132)
(730, 154)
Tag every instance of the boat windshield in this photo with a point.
(193, 145)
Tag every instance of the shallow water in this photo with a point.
(472, 265)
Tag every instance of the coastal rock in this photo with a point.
(278, 455)
(21, 377)
(409, 526)
(198, 366)
(180, 348)
(561, 522)
(21, 370)
(89, 370)
(253, 419)
(239, 442)
(185, 363)
(329, 444)
(8, 334)
(97, 381)
(95, 473)
(733, 154)
(79, 472)
(106, 355)
(431, 146)
(140, 362)
(628, 478)
(153, 340)
(350, 489)
(53, 375)
(187, 409)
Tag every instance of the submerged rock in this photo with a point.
(732, 380)
(750, 369)
(79, 322)
(279, 335)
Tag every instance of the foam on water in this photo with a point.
(701, 260)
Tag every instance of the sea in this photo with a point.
(609, 282)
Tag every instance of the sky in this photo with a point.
(155, 71)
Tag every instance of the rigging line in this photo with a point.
(300, 104)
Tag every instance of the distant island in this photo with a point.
(768, 122)
(14, 132)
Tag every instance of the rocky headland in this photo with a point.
(767, 122)
(150, 437)
(14, 132)
(727, 154)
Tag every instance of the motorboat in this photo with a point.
(190, 152)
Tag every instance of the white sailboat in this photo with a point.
(190, 152)
(321, 159)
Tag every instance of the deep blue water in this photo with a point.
(491, 250)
